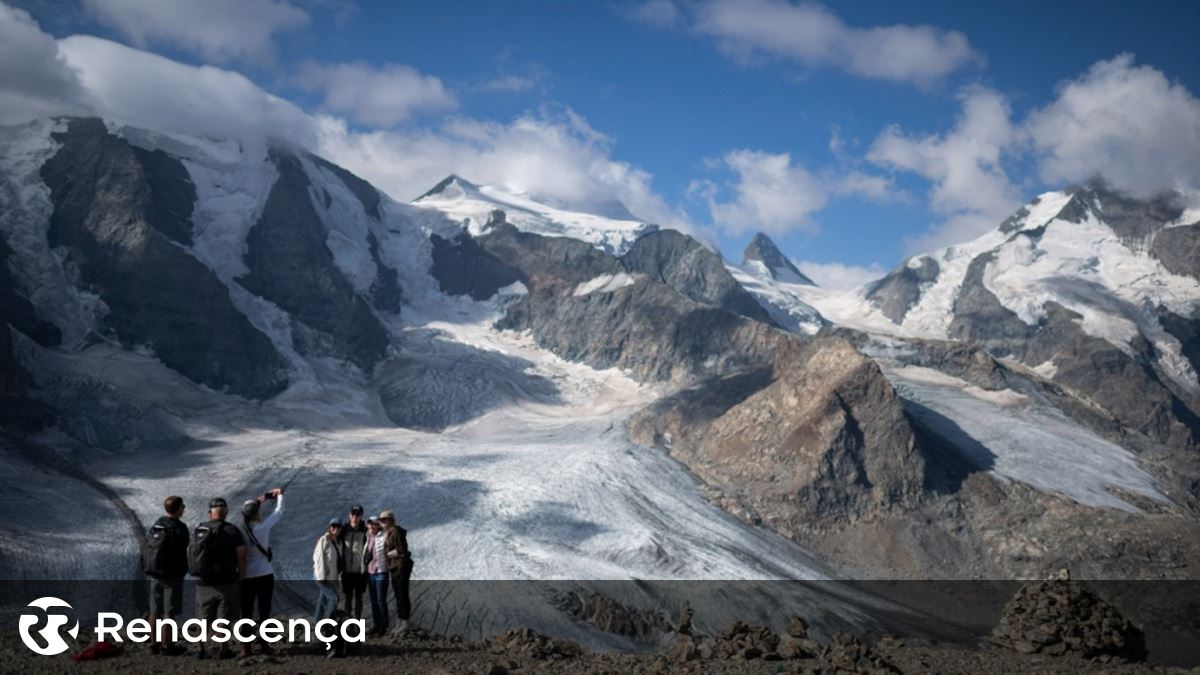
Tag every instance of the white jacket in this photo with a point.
(325, 559)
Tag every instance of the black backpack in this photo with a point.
(164, 551)
(205, 559)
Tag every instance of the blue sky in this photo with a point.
(703, 100)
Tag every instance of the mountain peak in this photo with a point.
(451, 186)
(762, 255)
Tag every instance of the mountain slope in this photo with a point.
(473, 205)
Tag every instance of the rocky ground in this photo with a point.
(1055, 626)
(528, 654)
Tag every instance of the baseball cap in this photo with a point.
(217, 503)
(250, 508)
(335, 521)
(387, 515)
(356, 509)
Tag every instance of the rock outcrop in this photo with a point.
(762, 251)
(897, 292)
(685, 265)
(123, 215)
(290, 265)
(1178, 249)
(815, 438)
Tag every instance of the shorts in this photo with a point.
(166, 597)
(354, 583)
(218, 602)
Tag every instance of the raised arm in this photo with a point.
(270, 520)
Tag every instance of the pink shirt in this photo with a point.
(375, 544)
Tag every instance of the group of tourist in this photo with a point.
(234, 571)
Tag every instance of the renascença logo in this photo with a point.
(56, 614)
(52, 641)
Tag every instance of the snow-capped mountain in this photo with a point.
(575, 395)
(1086, 287)
(614, 231)
(778, 286)
(765, 259)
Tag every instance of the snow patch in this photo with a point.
(779, 297)
(347, 225)
(1026, 440)
(42, 273)
(606, 283)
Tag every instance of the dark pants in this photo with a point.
(258, 591)
(400, 588)
(377, 585)
(166, 597)
(218, 602)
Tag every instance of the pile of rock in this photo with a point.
(745, 641)
(1059, 617)
(612, 617)
(796, 644)
(740, 640)
(848, 654)
(526, 642)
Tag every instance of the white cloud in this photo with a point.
(218, 30)
(376, 96)
(813, 36)
(554, 155)
(34, 78)
(144, 89)
(838, 276)
(969, 184)
(772, 194)
(769, 194)
(1127, 123)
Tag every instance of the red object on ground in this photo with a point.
(99, 650)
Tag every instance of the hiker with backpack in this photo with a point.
(258, 585)
(375, 557)
(165, 561)
(354, 575)
(328, 564)
(399, 565)
(217, 558)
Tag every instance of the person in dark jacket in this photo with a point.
(354, 574)
(400, 566)
(218, 591)
(166, 585)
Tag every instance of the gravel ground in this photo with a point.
(425, 654)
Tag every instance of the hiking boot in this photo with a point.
(201, 655)
(155, 649)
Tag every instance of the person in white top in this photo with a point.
(328, 564)
(258, 586)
